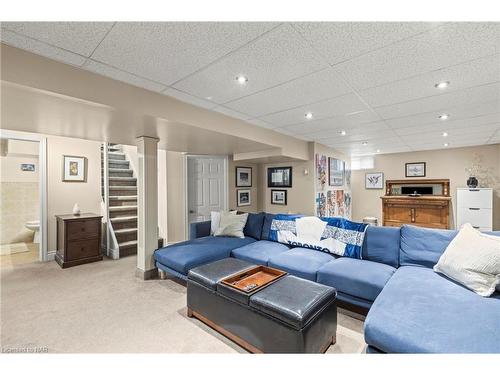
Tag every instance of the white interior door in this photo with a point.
(206, 186)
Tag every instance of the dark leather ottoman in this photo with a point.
(291, 315)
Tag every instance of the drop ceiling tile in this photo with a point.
(336, 123)
(359, 136)
(168, 51)
(438, 127)
(443, 46)
(277, 57)
(366, 128)
(478, 94)
(119, 75)
(311, 88)
(43, 49)
(78, 37)
(464, 112)
(182, 96)
(473, 73)
(344, 105)
(230, 112)
(339, 41)
(466, 134)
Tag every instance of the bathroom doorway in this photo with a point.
(22, 203)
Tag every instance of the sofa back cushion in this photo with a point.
(253, 227)
(266, 227)
(381, 244)
(423, 246)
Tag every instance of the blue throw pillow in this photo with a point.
(423, 246)
(266, 227)
(253, 227)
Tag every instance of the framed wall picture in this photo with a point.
(74, 169)
(28, 167)
(374, 180)
(243, 176)
(415, 169)
(243, 197)
(336, 172)
(279, 177)
(278, 196)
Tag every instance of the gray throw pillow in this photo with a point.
(231, 225)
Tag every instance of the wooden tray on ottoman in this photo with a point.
(254, 279)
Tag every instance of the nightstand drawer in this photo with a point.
(83, 249)
(82, 229)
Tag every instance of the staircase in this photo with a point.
(122, 200)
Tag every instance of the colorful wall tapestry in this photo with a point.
(321, 172)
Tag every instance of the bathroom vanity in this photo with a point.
(78, 239)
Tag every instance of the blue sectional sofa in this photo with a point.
(412, 309)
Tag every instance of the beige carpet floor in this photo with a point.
(103, 308)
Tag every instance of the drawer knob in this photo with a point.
(82, 248)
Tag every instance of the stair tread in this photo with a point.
(127, 243)
(119, 170)
(122, 178)
(124, 187)
(122, 197)
(123, 219)
(125, 230)
(122, 208)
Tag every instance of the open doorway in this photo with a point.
(22, 188)
(206, 186)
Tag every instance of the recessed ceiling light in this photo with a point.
(309, 115)
(241, 79)
(444, 116)
(343, 132)
(442, 84)
(365, 143)
(446, 145)
(209, 98)
(378, 150)
(445, 134)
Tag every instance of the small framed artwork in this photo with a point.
(28, 167)
(243, 176)
(74, 168)
(278, 197)
(243, 197)
(336, 172)
(374, 180)
(415, 169)
(279, 177)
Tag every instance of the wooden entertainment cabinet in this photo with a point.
(423, 202)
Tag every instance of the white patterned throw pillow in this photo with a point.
(231, 225)
(215, 220)
(472, 259)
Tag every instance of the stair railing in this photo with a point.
(112, 248)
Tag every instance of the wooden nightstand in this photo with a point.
(78, 239)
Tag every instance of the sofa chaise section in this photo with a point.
(179, 258)
(421, 311)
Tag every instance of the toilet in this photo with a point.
(35, 227)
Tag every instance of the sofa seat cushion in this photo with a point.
(183, 256)
(420, 311)
(259, 252)
(301, 262)
(356, 277)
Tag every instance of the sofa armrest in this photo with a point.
(199, 229)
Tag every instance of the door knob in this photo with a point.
(191, 211)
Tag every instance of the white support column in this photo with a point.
(147, 190)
